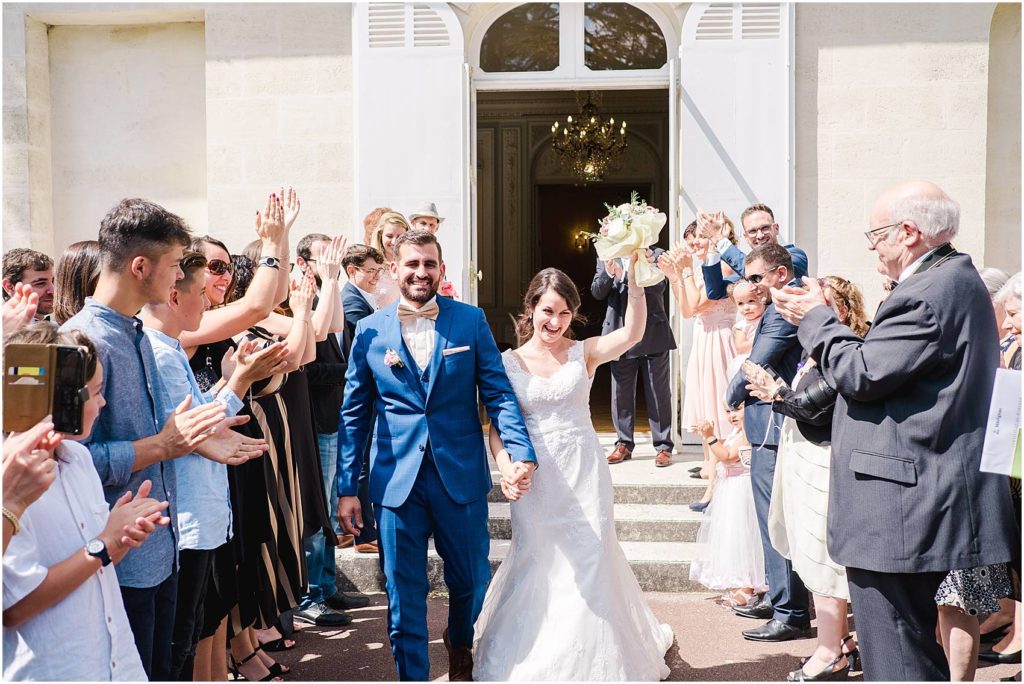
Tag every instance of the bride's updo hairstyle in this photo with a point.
(556, 281)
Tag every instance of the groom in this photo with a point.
(429, 473)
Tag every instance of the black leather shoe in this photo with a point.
(1002, 658)
(342, 601)
(773, 630)
(762, 610)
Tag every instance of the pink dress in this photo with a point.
(707, 370)
(707, 375)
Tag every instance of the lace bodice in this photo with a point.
(562, 400)
(718, 313)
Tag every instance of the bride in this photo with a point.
(564, 604)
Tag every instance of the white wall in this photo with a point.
(128, 119)
(886, 93)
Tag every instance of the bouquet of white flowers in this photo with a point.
(630, 228)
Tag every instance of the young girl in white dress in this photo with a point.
(564, 604)
(731, 558)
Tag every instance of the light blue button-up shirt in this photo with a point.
(137, 407)
(204, 504)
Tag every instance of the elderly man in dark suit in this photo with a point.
(908, 502)
(649, 358)
(769, 266)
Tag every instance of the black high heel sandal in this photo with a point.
(827, 675)
(274, 672)
(854, 655)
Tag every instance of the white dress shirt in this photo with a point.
(419, 335)
(85, 636)
(912, 268)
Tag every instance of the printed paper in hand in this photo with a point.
(1002, 451)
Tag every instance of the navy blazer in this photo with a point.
(356, 309)
(715, 283)
(412, 417)
(906, 492)
(775, 345)
(658, 335)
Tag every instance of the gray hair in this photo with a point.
(994, 279)
(938, 218)
(1011, 290)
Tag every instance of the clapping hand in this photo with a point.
(706, 429)
(793, 303)
(29, 468)
(20, 308)
(673, 262)
(760, 383)
(301, 298)
(270, 225)
(331, 256)
(613, 268)
(291, 207)
(253, 363)
(132, 519)
(711, 226)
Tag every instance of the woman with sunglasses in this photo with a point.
(207, 348)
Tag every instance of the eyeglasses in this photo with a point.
(876, 234)
(766, 228)
(756, 278)
(219, 267)
(372, 271)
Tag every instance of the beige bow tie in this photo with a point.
(408, 315)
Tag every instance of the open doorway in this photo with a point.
(530, 209)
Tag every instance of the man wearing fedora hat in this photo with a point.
(426, 218)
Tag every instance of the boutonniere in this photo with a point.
(392, 359)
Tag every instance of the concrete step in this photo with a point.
(658, 566)
(633, 522)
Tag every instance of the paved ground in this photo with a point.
(708, 646)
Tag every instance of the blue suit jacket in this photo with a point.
(715, 283)
(356, 309)
(775, 345)
(411, 413)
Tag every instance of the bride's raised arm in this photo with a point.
(604, 348)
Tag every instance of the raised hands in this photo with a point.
(291, 207)
(675, 262)
(711, 226)
(29, 468)
(132, 519)
(331, 256)
(20, 308)
(300, 299)
(255, 364)
(230, 447)
(271, 225)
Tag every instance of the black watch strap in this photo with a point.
(97, 549)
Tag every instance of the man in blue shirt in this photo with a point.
(140, 433)
(760, 228)
(204, 505)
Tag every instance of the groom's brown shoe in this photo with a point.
(460, 661)
(619, 454)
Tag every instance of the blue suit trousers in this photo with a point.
(461, 539)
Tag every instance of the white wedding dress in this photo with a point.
(564, 604)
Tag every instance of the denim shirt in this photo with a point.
(204, 505)
(137, 407)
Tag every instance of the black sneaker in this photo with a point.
(322, 615)
(341, 601)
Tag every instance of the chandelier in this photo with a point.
(588, 145)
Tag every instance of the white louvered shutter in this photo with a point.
(735, 112)
(409, 123)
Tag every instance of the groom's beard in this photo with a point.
(406, 288)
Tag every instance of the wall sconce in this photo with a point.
(580, 240)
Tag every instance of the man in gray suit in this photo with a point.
(649, 358)
(908, 502)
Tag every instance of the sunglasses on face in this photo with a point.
(219, 267)
(756, 278)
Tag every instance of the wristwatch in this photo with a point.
(97, 549)
(272, 262)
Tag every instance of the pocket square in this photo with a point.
(454, 350)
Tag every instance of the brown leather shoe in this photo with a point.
(664, 458)
(619, 454)
(460, 661)
(345, 541)
(368, 547)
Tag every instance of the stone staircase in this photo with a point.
(655, 527)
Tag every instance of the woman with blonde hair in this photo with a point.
(389, 226)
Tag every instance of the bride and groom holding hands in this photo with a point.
(564, 604)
